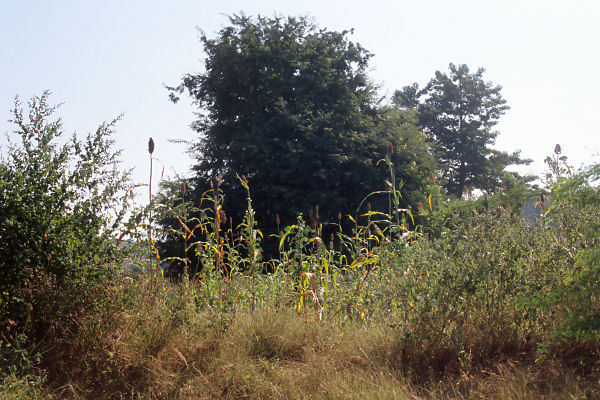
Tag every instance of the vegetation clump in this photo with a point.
(411, 290)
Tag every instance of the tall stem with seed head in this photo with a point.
(150, 150)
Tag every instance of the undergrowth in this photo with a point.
(478, 304)
(410, 318)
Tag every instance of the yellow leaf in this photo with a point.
(188, 230)
(429, 201)
(356, 263)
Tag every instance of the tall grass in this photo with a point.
(380, 311)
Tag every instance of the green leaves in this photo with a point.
(291, 107)
(574, 214)
(458, 111)
(60, 205)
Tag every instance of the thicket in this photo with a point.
(61, 203)
(382, 311)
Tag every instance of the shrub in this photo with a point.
(61, 201)
(575, 210)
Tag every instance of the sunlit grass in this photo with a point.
(376, 311)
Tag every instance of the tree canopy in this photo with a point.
(458, 110)
(292, 108)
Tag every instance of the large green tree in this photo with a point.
(291, 107)
(458, 110)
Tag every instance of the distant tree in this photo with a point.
(458, 111)
(291, 107)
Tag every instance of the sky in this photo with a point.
(101, 59)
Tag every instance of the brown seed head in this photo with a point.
(557, 149)
(431, 176)
(388, 186)
(183, 188)
(277, 220)
(150, 146)
(390, 149)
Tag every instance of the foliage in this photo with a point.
(452, 308)
(15, 388)
(458, 111)
(573, 207)
(414, 315)
(290, 107)
(380, 311)
(60, 205)
(466, 283)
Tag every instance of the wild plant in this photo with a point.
(62, 203)
(573, 219)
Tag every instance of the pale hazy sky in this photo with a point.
(104, 58)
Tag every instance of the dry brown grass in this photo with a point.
(168, 350)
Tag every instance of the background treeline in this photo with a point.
(330, 244)
(292, 108)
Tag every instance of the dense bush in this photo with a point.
(575, 213)
(61, 201)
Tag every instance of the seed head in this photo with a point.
(557, 149)
(388, 186)
(150, 146)
(390, 149)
